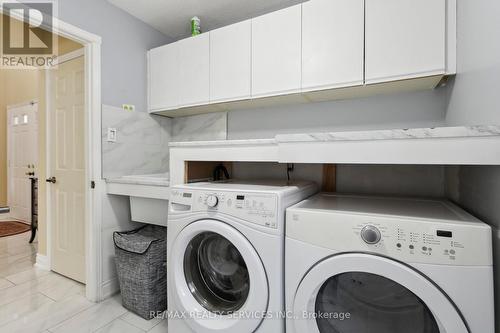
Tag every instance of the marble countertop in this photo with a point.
(392, 134)
(253, 142)
(161, 179)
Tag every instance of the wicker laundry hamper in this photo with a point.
(141, 262)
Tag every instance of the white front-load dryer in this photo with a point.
(361, 264)
(226, 256)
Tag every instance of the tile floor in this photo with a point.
(34, 300)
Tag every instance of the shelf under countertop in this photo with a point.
(458, 145)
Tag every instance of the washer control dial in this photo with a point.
(212, 201)
(370, 234)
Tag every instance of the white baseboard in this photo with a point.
(110, 287)
(42, 262)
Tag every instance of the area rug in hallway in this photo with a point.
(9, 228)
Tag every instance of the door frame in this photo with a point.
(9, 143)
(93, 246)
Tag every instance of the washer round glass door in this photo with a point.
(216, 273)
(218, 277)
(361, 293)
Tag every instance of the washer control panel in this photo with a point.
(257, 208)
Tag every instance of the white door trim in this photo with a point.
(93, 248)
(69, 56)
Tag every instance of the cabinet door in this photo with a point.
(194, 67)
(276, 52)
(404, 39)
(163, 67)
(230, 62)
(332, 43)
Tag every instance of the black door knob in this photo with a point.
(52, 180)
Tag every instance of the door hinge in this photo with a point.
(92, 184)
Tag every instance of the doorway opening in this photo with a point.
(49, 156)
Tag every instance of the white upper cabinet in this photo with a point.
(164, 77)
(307, 51)
(276, 52)
(332, 43)
(404, 39)
(230, 62)
(194, 68)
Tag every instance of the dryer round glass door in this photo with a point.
(365, 293)
(218, 278)
(216, 273)
(366, 303)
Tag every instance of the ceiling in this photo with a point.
(172, 17)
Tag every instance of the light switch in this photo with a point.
(111, 134)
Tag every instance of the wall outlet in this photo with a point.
(128, 107)
(112, 134)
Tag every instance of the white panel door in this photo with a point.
(276, 52)
(22, 158)
(404, 39)
(332, 43)
(230, 62)
(194, 67)
(163, 67)
(67, 165)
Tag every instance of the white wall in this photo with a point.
(477, 189)
(403, 110)
(125, 41)
(474, 98)
(405, 180)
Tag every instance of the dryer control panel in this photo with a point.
(257, 208)
(422, 241)
(404, 239)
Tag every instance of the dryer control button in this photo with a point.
(212, 201)
(370, 234)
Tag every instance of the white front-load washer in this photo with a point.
(226, 255)
(361, 264)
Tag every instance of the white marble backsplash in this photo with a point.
(204, 127)
(141, 145)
